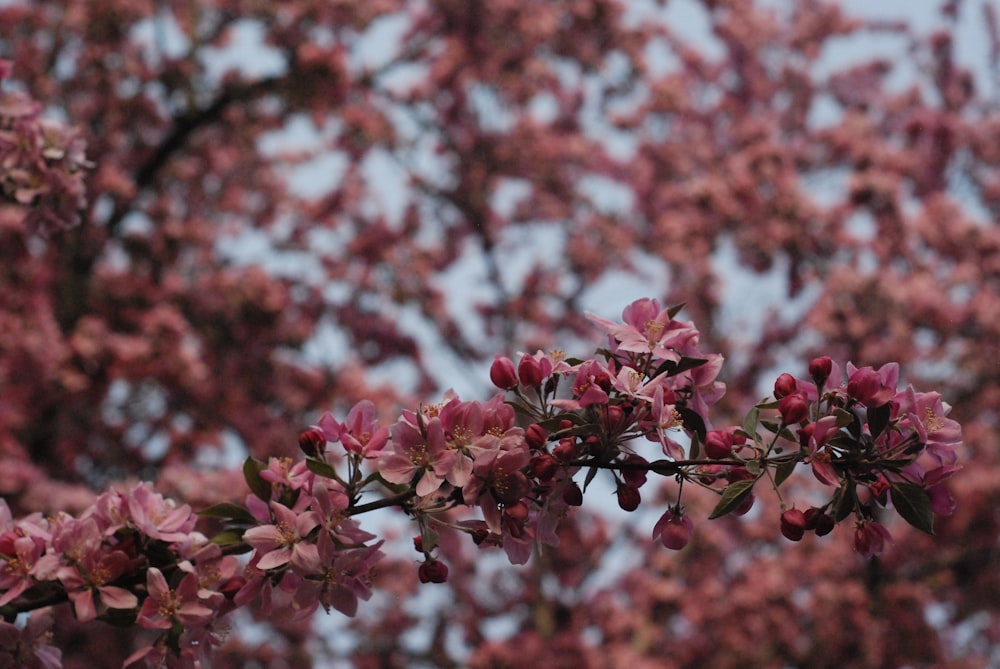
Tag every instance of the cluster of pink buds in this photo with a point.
(505, 472)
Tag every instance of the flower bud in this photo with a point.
(785, 385)
(433, 571)
(793, 524)
(819, 522)
(536, 436)
(418, 543)
(517, 511)
(870, 538)
(543, 467)
(567, 450)
(719, 444)
(572, 495)
(502, 373)
(529, 370)
(793, 408)
(628, 498)
(635, 478)
(312, 442)
(673, 529)
(820, 370)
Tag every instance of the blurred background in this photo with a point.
(296, 205)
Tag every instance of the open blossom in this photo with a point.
(164, 606)
(649, 329)
(411, 452)
(276, 543)
(334, 578)
(360, 432)
(158, 517)
(928, 415)
(30, 646)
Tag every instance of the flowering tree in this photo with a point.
(166, 298)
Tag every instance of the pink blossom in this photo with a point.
(361, 433)
(276, 543)
(411, 453)
(163, 606)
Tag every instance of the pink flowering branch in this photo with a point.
(505, 472)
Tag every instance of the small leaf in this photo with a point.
(230, 538)
(252, 467)
(770, 425)
(734, 495)
(846, 498)
(591, 473)
(783, 470)
(750, 422)
(321, 468)
(228, 510)
(913, 504)
(767, 403)
(693, 422)
(878, 418)
(674, 310)
(753, 466)
(694, 451)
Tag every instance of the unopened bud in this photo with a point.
(793, 524)
(793, 408)
(820, 369)
(312, 442)
(536, 436)
(502, 373)
(572, 495)
(433, 571)
(628, 498)
(785, 385)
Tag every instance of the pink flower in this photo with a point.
(335, 578)
(286, 472)
(275, 544)
(870, 538)
(649, 329)
(870, 388)
(164, 607)
(30, 646)
(411, 453)
(18, 556)
(927, 414)
(361, 433)
(157, 517)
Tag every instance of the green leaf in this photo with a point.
(750, 421)
(734, 495)
(878, 418)
(230, 538)
(783, 470)
(591, 473)
(770, 425)
(753, 466)
(321, 468)
(767, 403)
(913, 504)
(694, 451)
(252, 467)
(846, 498)
(228, 510)
(693, 422)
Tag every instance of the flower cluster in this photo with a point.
(42, 163)
(504, 471)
